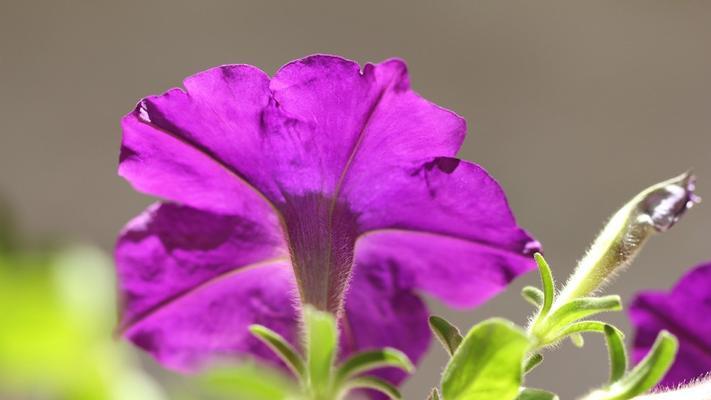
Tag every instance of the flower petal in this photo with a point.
(684, 311)
(460, 272)
(382, 311)
(448, 224)
(233, 141)
(201, 147)
(357, 121)
(299, 134)
(192, 281)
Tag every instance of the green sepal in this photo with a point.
(532, 362)
(280, 347)
(645, 375)
(321, 343)
(447, 334)
(370, 382)
(536, 394)
(488, 364)
(616, 350)
(367, 360)
(547, 283)
(533, 295)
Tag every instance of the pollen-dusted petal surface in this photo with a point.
(192, 281)
(684, 311)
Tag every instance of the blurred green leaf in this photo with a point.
(585, 326)
(280, 347)
(533, 295)
(488, 363)
(7, 228)
(536, 394)
(370, 382)
(618, 354)
(532, 362)
(57, 317)
(547, 282)
(572, 311)
(645, 375)
(368, 360)
(249, 382)
(447, 334)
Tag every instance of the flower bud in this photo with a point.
(656, 209)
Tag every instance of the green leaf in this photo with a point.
(533, 295)
(446, 333)
(547, 282)
(645, 375)
(321, 344)
(532, 362)
(586, 326)
(281, 347)
(577, 309)
(488, 363)
(581, 327)
(368, 360)
(616, 349)
(434, 395)
(536, 394)
(248, 382)
(370, 382)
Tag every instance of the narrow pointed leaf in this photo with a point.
(586, 326)
(582, 327)
(367, 360)
(547, 282)
(488, 364)
(645, 375)
(532, 362)
(434, 395)
(370, 382)
(279, 346)
(581, 308)
(446, 333)
(533, 295)
(321, 344)
(536, 394)
(618, 355)
(652, 368)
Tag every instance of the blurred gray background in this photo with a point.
(574, 106)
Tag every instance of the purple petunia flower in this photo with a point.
(326, 184)
(686, 312)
